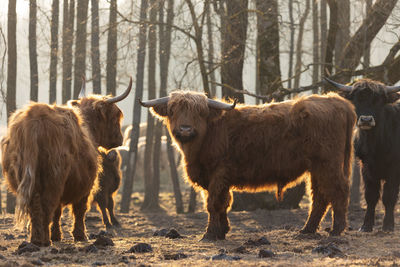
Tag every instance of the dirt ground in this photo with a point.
(279, 227)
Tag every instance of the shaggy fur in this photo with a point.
(109, 180)
(270, 146)
(378, 148)
(50, 160)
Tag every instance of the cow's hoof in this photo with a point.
(41, 243)
(335, 233)
(365, 229)
(209, 237)
(307, 231)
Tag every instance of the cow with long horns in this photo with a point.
(377, 144)
(227, 147)
(50, 159)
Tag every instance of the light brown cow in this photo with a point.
(50, 159)
(263, 147)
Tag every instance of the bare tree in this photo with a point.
(343, 33)
(150, 200)
(376, 18)
(315, 74)
(132, 158)
(112, 52)
(330, 43)
(299, 46)
(96, 69)
(211, 65)
(32, 50)
(11, 76)
(233, 14)
(292, 29)
(367, 48)
(80, 45)
(68, 39)
(268, 46)
(54, 51)
(324, 30)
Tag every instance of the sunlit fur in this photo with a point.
(50, 159)
(378, 148)
(266, 147)
(109, 181)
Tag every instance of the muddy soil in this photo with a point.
(257, 238)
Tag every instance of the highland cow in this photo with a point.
(377, 145)
(109, 180)
(50, 159)
(254, 148)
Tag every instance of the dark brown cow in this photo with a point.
(109, 180)
(263, 147)
(50, 159)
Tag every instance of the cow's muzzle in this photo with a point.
(185, 133)
(366, 122)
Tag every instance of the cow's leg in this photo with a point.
(103, 203)
(37, 216)
(79, 210)
(55, 227)
(372, 191)
(389, 199)
(338, 196)
(218, 202)
(110, 208)
(318, 207)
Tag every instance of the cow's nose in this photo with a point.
(185, 129)
(366, 118)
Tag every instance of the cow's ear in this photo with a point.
(160, 110)
(393, 97)
(73, 103)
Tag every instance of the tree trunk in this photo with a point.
(355, 185)
(268, 46)
(11, 76)
(211, 65)
(199, 45)
(96, 69)
(315, 74)
(291, 44)
(68, 39)
(192, 201)
(233, 46)
(149, 202)
(343, 33)
(128, 182)
(299, 45)
(112, 49)
(32, 51)
(80, 45)
(54, 51)
(324, 30)
(376, 18)
(367, 48)
(330, 43)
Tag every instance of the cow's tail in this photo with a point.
(348, 153)
(29, 158)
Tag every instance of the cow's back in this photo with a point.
(65, 158)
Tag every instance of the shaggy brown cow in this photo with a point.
(263, 147)
(109, 180)
(50, 159)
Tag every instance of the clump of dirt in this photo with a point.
(27, 247)
(141, 248)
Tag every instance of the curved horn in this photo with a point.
(153, 102)
(392, 89)
(221, 105)
(341, 87)
(121, 96)
(82, 93)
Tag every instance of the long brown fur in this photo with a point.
(50, 159)
(265, 147)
